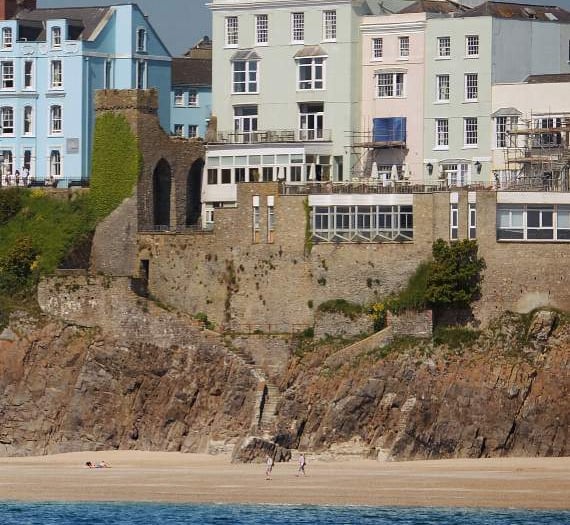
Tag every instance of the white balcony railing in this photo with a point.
(272, 136)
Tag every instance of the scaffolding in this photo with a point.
(537, 154)
(365, 148)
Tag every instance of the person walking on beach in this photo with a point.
(269, 467)
(302, 463)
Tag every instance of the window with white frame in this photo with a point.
(179, 97)
(141, 40)
(261, 29)
(311, 73)
(444, 47)
(245, 123)
(28, 74)
(470, 134)
(442, 133)
(547, 138)
(192, 131)
(256, 219)
(503, 125)
(7, 38)
(231, 31)
(329, 25)
(471, 87)
(56, 74)
(442, 87)
(7, 164)
(455, 174)
(472, 45)
(7, 120)
(533, 222)
(270, 220)
(55, 163)
(453, 221)
(56, 36)
(141, 74)
(55, 120)
(377, 48)
(362, 223)
(390, 85)
(7, 74)
(244, 78)
(539, 222)
(28, 120)
(311, 121)
(193, 98)
(472, 230)
(179, 130)
(297, 27)
(108, 74)
(404, 46)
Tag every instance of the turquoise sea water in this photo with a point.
(160, 514)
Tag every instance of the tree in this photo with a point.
(454, 278)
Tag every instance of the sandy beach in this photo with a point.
(533, 483)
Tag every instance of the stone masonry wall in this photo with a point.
(236, 281)
(416, 324)
(340, 325)
(140, 109)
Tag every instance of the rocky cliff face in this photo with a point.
(506, 394)
(67, 387)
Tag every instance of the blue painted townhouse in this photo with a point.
(51, 62)
(191, 96)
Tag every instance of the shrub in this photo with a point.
(17, 266)
(341, 306)
(413, 296)
(10, 203)
(454, 277)
(455, 337)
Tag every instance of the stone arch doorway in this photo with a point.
(161, 190)
(193, 192)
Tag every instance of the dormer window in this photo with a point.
(7, 40)
(56, 36)
(141, 40)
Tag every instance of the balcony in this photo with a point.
(273, 136)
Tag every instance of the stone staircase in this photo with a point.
(267, 394)
(407, 407)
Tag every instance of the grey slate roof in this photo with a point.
(84, 19)
(191, 72)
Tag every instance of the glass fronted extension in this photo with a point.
(362, 223)
(533, 222)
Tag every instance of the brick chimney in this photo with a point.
(10, 8)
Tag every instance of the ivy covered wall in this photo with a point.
(117, 163)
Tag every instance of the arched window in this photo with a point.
(162, 188)
(193, 192)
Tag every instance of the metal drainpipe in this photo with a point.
(84, 140)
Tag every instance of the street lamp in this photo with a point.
(1, 167)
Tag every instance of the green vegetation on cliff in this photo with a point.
(452, 278)
(117, 163)
(37, 230)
